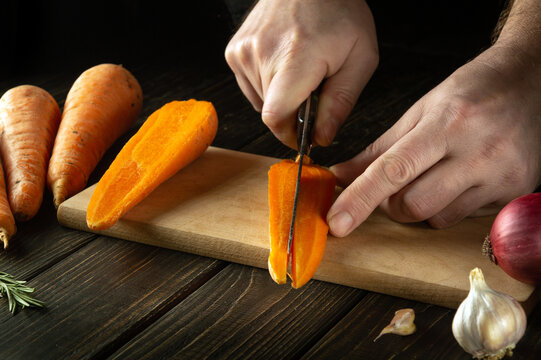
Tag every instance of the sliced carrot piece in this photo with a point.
(310, 230)
(171, 138)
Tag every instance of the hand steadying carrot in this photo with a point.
(170, 139)
(29, 116)
(7, 222)
(101, 105)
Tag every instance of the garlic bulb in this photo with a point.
(488, 323)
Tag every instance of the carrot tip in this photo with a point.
(60, 191)
(4, 237)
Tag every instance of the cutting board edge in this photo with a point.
(208, 246)
(408, 288)
(132, 231)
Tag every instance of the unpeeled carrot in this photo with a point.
(29, 116)
(171, 138)
(7, 222)
(101, 105)
(310, 228)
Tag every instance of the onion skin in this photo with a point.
(514, 243)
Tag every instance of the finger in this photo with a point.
(250, 93)
(467, 203)
(487, 210)
(402, 163)
(431, 192)
(245, 65)
(289, 87)
(346, 172)
(341, 91)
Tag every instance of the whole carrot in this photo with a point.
(101, 105)
(29, 117)
(7, 222)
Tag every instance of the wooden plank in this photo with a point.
(371, 315)
(217, 207)
(100, 297)
(241, 313)
(353, 337)
(40, 243)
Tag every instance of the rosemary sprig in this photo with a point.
(17, 293)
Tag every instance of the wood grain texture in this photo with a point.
(61, 263)
(353, 337)
(40, 243)
(242, 314)
(218, 207)
(371, 315)
(100, 297)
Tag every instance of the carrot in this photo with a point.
(7, 222)
(102, 104)
(171, 138)
(310, 228)
(29, 117)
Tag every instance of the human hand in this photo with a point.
(472, 141)
(285, 48)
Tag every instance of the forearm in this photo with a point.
(520, 28)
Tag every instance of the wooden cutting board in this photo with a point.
(218, 207)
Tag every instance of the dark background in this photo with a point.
(59, 34)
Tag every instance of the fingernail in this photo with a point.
(341, 223)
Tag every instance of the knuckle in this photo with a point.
(228, 54)
(343, 98)
(398, 169)
(456, 113)
(516, 177)
(259, 47)
(415, 208)
(446, 219)
(271, 118)
(373, 149)
(372, 60)
(294, 44)
(239, 52)
(495, 149)
(299, 34)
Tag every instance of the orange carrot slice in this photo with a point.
(310, 230)
(29, 117)
(170, 139)
(101, 105)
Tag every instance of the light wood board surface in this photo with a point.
(218, 207)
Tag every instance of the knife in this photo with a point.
(306, 117)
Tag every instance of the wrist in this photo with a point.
(521, 30)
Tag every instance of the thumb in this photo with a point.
(341, 91)
(289, 87)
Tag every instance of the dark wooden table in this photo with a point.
(111, 298)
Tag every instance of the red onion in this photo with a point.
(514, 243)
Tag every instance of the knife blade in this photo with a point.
(306, 117)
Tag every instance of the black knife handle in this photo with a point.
(307, 114)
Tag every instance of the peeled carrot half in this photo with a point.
(171, 138)
(310, 230)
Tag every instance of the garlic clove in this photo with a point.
(401, 324)
(488, 323)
